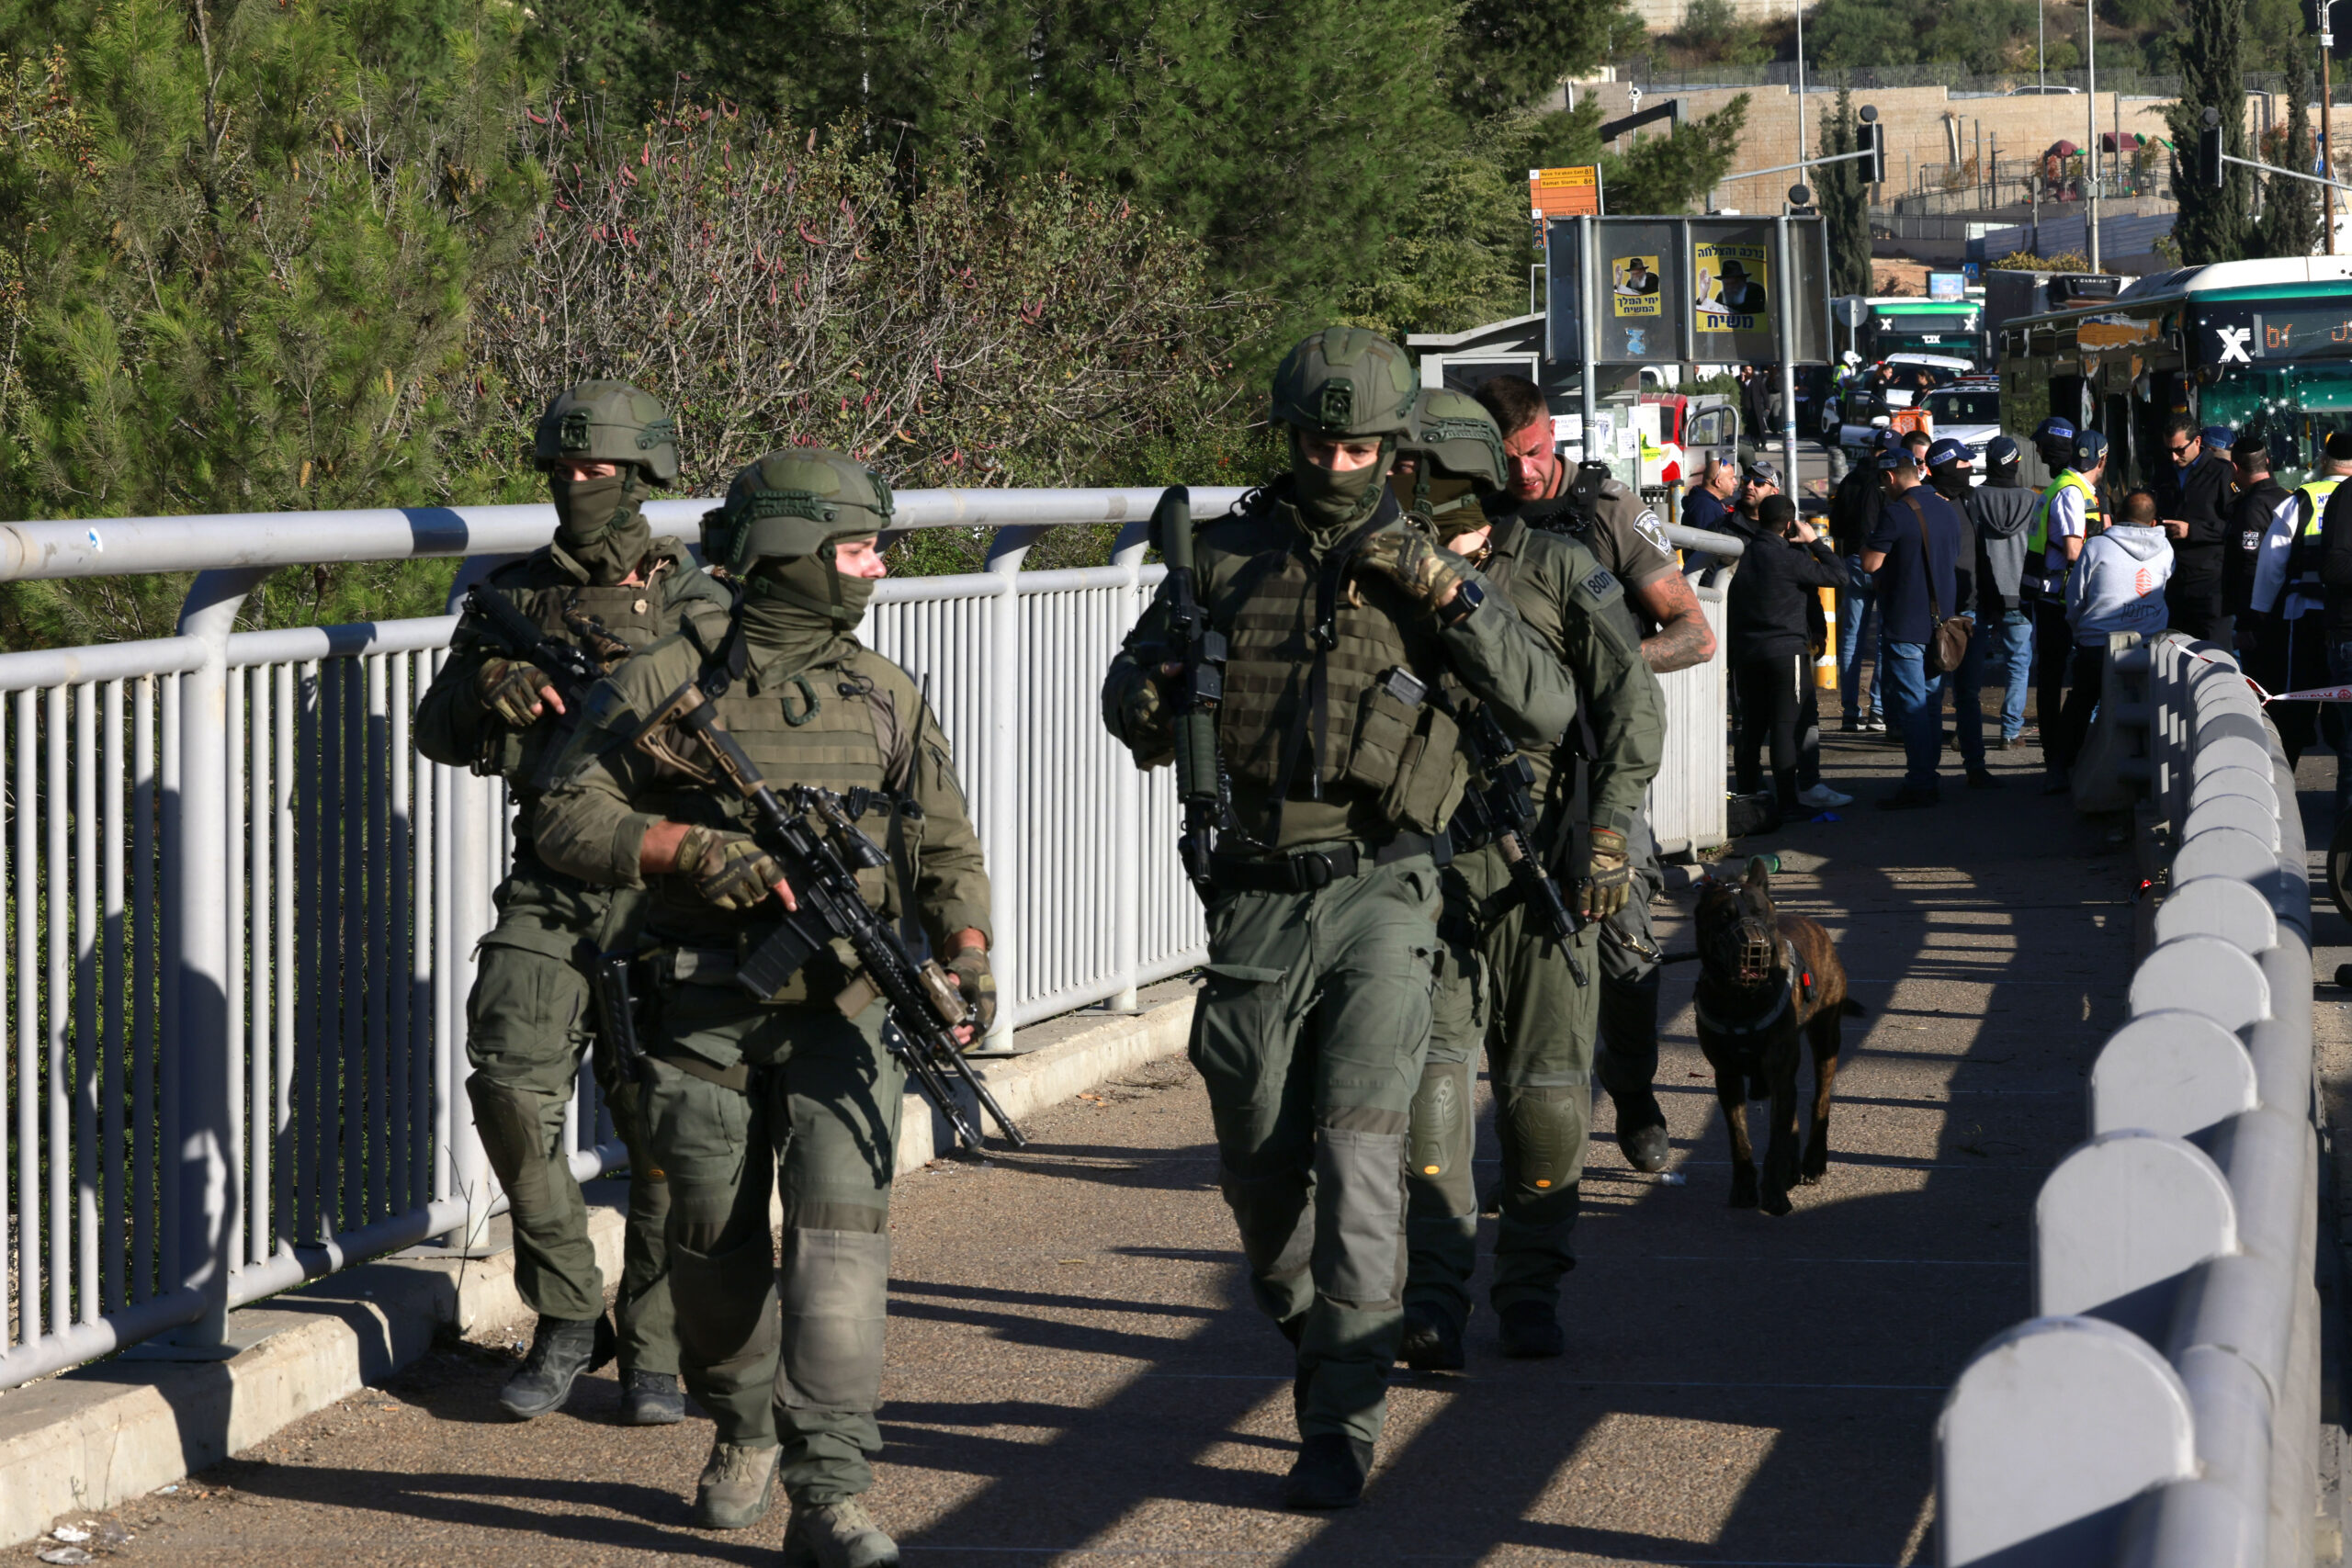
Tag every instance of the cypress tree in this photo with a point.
(1844, 200)
(2214, 225)
(2290, 222)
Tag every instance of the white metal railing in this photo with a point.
(244, 909)
(2163, 1410)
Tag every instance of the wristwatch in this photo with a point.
(1463, 605)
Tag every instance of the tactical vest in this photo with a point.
(1376, 737)
(2302, 568)
(553, 600)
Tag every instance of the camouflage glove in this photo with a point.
(1145, 727)
(978, 982)
(1610, 887)
(1427, 574)
(510, 688)
(728, 869)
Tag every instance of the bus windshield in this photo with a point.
(1965, 408)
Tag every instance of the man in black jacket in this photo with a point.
(2335, 574)
(2260, 495)
(1785, 562)
(1853, 513)
(2197, 499)
(2000, 512)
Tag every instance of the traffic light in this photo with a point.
(1870, 138)
(2208, 151)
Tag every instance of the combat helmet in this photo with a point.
(790, 503)
(608, 422)
(1346, 382)
(1457, 457)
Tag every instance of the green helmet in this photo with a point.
(1345, 381)
(791, 502)
(1452, 437)
(608, 422)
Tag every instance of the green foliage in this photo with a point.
(2026, 261)
(1506, 53)
(2290, 217)
(1844, 197)
(1966, 35)
(2214, 225)
(1712, 32)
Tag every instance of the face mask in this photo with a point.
(599, 524)
(1331, 500)
(815, 587)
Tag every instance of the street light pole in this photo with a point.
(2090, 149)
(2041, 49)
(1800, 5)
(2326, 9)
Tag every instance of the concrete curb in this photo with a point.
(97, 1437)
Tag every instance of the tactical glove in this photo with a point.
(1610, 888)
(1426, 573)
(510, 688)
(1145, 727)
(728, 869)
(978, 982)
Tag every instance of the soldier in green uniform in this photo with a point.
(796, 1088)
(604, 445)
(1507, 980)
(1323, 892)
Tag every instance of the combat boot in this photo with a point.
(836, 1535)
(1331, 1471)
(1641, 1131)
(561, 1349)
(652, 1399)
(1432, 1343)
(1531, 1331)
(737, 1487)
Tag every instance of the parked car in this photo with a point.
(1859, 426)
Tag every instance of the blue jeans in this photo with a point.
(1915, 710)
(2004, 650)
(1856, 607)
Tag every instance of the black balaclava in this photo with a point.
(601, 523)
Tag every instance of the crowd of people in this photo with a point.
(1947, 582)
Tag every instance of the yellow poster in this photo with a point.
(1731, 288)
(1634, 287)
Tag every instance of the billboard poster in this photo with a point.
(1731, 286)
(1633, 284)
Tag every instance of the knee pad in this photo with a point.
(1440, 1140)
(832, 1290)
(1547, 1140)
(513, 1124)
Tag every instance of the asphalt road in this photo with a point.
(1076, 1376)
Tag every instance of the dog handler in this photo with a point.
(1507, 982)
(1322, 895)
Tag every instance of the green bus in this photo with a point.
(1912, 325)
(2264, 347)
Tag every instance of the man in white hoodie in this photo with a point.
(2118, 585)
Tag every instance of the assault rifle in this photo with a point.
(569, 668)
(926, 1006)
(1199, 688)
(1499, 808)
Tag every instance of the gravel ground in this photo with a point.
(1076, 1377)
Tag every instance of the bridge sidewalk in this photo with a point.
(1076, 1377)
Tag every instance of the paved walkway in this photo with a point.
(1076, 1378)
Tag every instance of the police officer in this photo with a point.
(1507, 983)
(2197, 491)
(2069, 517)
(796, 1088)
(604, 445)
(1624, 534)
(2290, 597)
(1342, 622)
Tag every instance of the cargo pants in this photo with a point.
(793, 1355)
(1310, 1035)
(1626, 1062)
(1506, 984)
(528, 1023)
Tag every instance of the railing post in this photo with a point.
(474, 870)
(1007, 737)
(1127, 801)
(205, 1076)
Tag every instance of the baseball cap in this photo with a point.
(1890, 440)
(1946, 450)
(2054, 429)
(1761, 470)
(2090, 447)
(1895, 456)
(2217, 435)
(2001, 452)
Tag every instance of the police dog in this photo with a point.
(1765, 979)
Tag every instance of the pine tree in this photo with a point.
(2214, 225)
(1844, 200)
(2290, 222)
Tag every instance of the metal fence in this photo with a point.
(244, 909)
(2163, 1409)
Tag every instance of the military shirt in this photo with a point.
(848, 719)
(1624, 532)
(1490, 652)
(1577, 607)
(453, 726)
